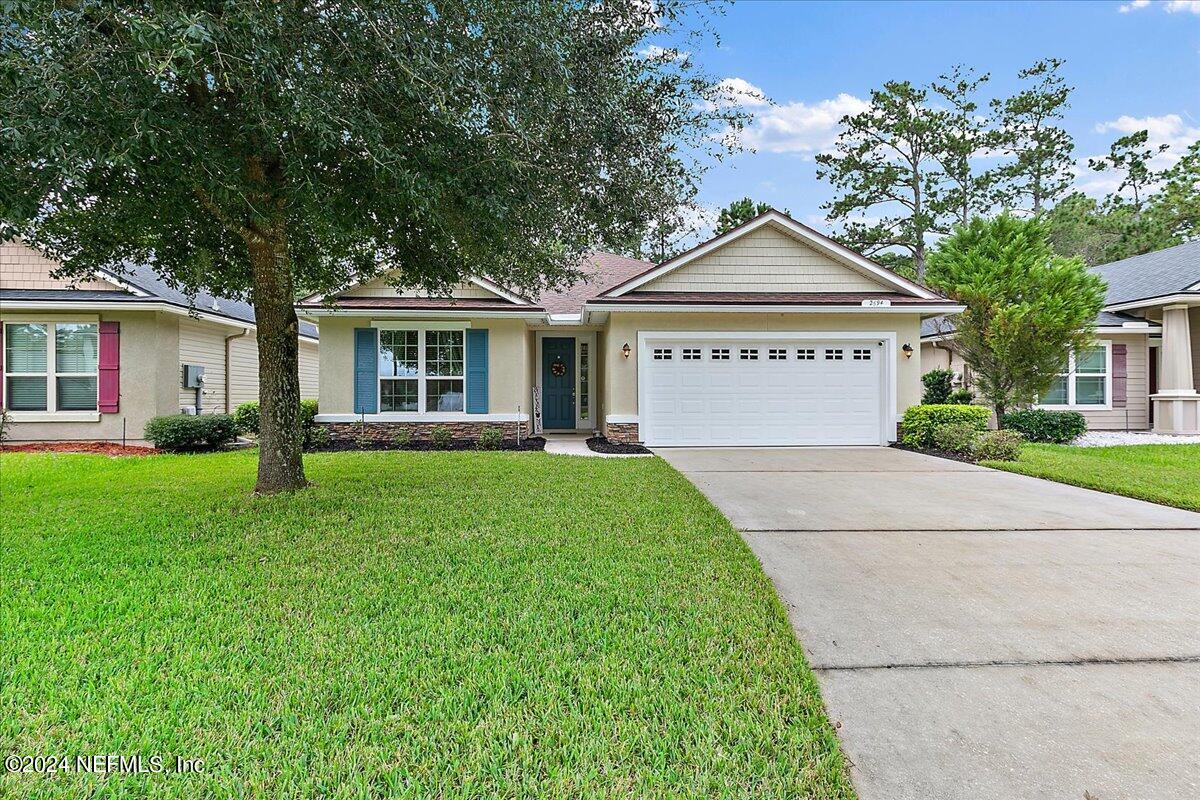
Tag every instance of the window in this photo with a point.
(777, 354)
(1084, 381)
(583, 381)
(719, 354)
(691, 354)
(833, 354)
(749, 354)
(806, 354)
(662, 354)
(51, 373)
(421, 370)
(862, 355)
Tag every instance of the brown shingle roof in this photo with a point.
(601, 272)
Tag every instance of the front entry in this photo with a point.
(558, 383)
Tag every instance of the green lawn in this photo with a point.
(414, 625)
(1160, 473)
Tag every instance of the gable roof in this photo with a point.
(937, 327)
(601, 271)
(814, 239)
(1162, 273)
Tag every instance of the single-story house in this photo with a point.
(770, 334)
(96, 359)
(1144, 372)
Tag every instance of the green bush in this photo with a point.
(246, 418)
(1001, 445)
(402, 438)
(956, 437)
(318, 437)
(491, 439)
(920, 421)
(961, 397)
(1040, 425)
(184, 434)
(441, 437)
(937, 386)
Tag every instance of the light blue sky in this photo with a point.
(1132, 68)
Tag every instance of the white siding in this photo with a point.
(243, 370)
(765, 260)
(203, 344)
(309, 366)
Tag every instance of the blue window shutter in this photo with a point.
(477, 371)
(366, 371)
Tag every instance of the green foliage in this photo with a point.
(441, 436)
(5, 421)
(317, 438)
(491, 439)
(246, 418)
(1025, 307)
(999, 445)
(1042, 425)
(956, 437)
(962, 397)
(1130, 156)
(402, 438)
(938, 385)
(1176, 206)
(181, 433)
(920, 421)
(739, 212)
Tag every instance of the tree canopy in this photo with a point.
(739, 212)
(248, 148)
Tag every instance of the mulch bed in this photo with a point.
(531, 443)
(601, 444)
(98, 448)
(930, 451)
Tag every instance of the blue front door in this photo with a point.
(558, 383)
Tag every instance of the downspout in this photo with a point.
(228, 359)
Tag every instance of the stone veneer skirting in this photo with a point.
(623, 432)
(386, 431)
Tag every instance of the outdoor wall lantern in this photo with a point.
(625, 350)
(908, 351)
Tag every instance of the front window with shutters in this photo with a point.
(51, 367)
(1084, 382)
(422, 370)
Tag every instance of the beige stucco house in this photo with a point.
(95, 360)
(1144, 371)
(770, 334)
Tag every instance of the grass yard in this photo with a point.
(414, 625)
(1161, 473)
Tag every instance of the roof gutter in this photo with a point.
(130, 305)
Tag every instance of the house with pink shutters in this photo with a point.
(96, 359)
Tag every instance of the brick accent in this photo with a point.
(623, 432)
(421, 431)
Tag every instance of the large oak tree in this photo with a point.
(252, 147)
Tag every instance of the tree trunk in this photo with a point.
(999, 409)
(280, 465)
(919, 260)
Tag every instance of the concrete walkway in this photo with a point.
(978, 633)
(575, 444)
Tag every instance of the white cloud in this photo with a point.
(1170, 6)
(1134, 6)
(799, 127)
(1168, 129)
(655, 51)
(740, 92)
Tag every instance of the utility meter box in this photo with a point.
(193, 376)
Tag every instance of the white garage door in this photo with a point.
(706, 392)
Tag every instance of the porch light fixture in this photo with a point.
(625, 350)
(908, 351)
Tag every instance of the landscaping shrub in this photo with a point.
(318, 437)
(441, 437)
(246, 418)
(1040, 425)
(490, 439)
(961, 397)
(402, 438)
(4, 423)
(938, 383)
(956, 437)
(184, 434)
(920, 421)
(1001, 445)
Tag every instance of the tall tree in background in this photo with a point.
(964, 135)
(1040, 169)
(884, 160)
(1176, 205)
(249, 148)
(739, 212)
(1130, 156)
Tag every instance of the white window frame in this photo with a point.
(51, 414)
(421, 378)
(1070, 374)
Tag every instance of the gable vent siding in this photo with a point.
(109, 396)
(477, 371)
(1120, 376)
(366, 371)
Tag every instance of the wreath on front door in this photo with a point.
(558, 368)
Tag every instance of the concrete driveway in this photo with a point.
(977, 633)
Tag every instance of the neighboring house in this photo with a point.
(770, 334)
(1144, 371)
(96, 359)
